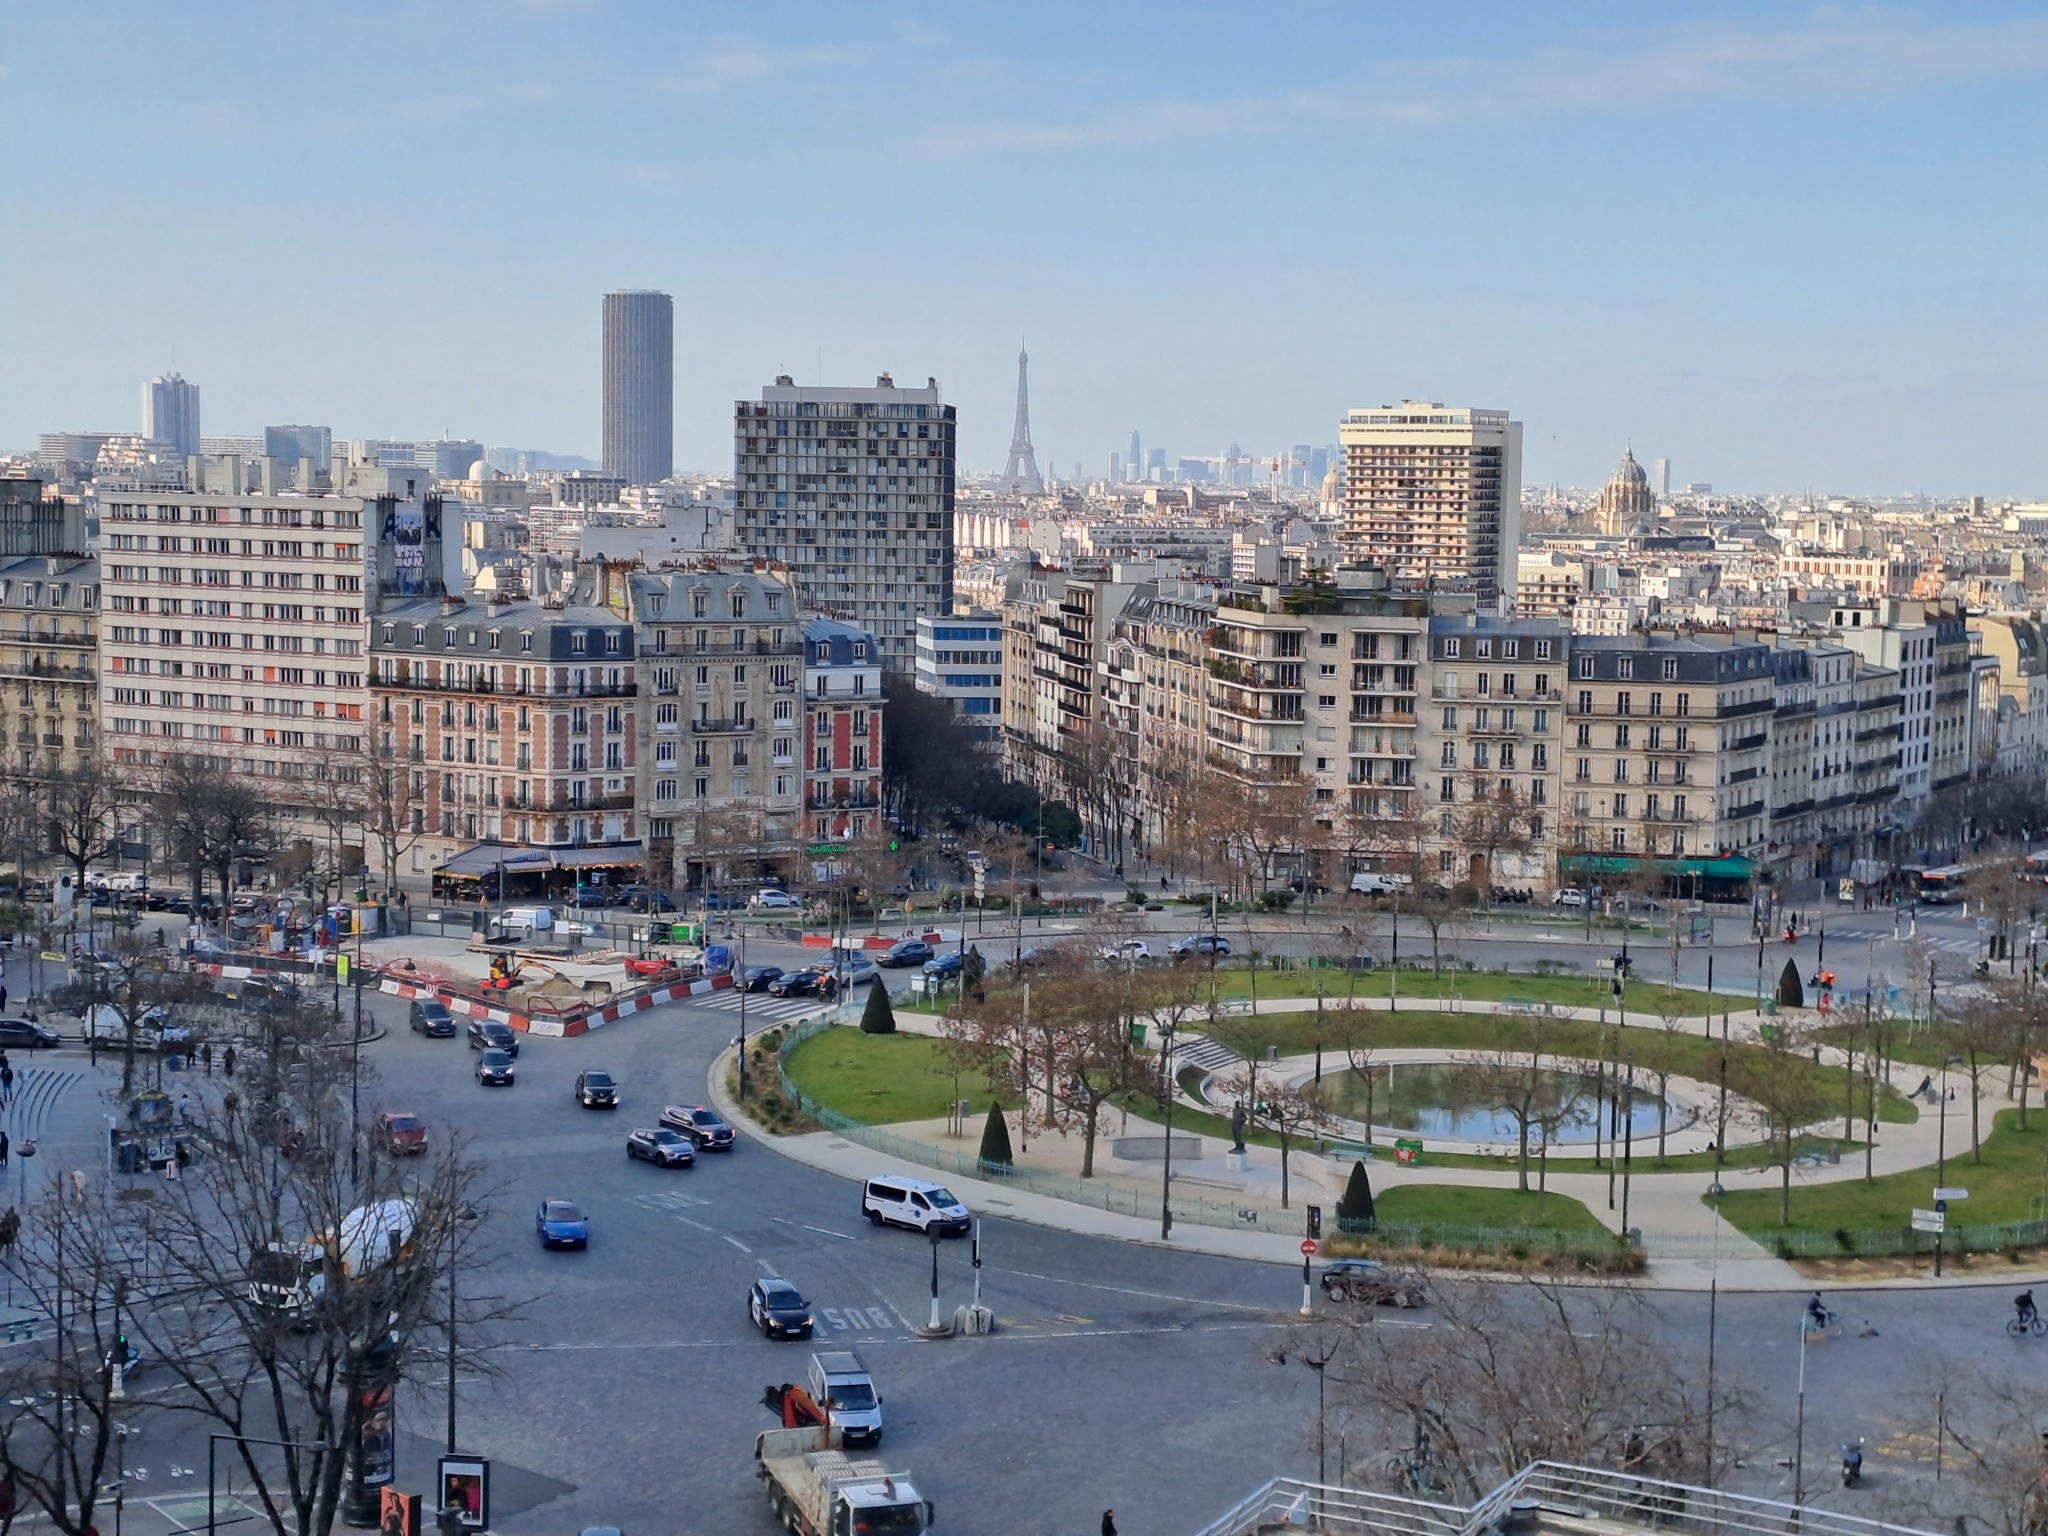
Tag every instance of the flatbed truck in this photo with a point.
(818, 1490)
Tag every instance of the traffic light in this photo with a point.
(1315, 1221)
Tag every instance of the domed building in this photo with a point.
(1627, 507)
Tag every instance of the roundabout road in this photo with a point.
(1125, 1375)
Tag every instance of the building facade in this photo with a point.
(639, 386)
(852, 490)
(49, 615)
(960, 660)
(170, 413)
(1627, 508)
(517, 723)
(843, 698)
(1434, 493)
(721, 718)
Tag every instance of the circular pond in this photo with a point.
(1450, 1102)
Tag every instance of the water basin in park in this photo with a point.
(1441, 1100)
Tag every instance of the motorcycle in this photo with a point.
(1852, 1465)
(1791, 934)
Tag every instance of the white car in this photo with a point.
(773, 901)
(1129, 951)
(1568, 897)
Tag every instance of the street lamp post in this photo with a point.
(1166, 1164)
(1799, 1435)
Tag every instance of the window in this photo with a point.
(1624, 666)
(1621, 770)
(1669, 672)
(1482, 648)
(1480, 758)
(1543, 650)
(1585, 701)
(1585, 736)
(1620, 840)
(1585, 666)
(579, 644)
(1685, 704)
(1447, 789)
(1584, 771)
(1623, 703)
(1621, 738)
(1620, 807)
(1449, 756)
(1450, 717)
(1539, 756)
(1536, 821)
(1452, 646)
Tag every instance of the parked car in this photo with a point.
(596, 1090)
(757, 977)
(1026, 959)
(1369, 1281)
(662, 1147)
(1200, 944)
(1568, 896)
(639, 898)
(433, 1018)
(1129, 952)
(945, 966)
(705, 1130)
(562, 1224)
(490, 1035)
(405, 1134)
(595, 897)
(778, 1309)
(722, 901)
(494, 1069)
(814, 982)
(905, 952)
(773, 901)
(26, 1035)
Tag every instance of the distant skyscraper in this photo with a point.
(639, 386)
(170, 413)
(1660, 477)
(1135, 459)
(795, 504)
(1020, 475)
(1434, 493)
(1627, 506)
(297, 445)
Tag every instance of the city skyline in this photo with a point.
(1784, 179)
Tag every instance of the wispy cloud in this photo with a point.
(721, 68)
(1830, 53)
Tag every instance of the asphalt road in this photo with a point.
(1122, 1376)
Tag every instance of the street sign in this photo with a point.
(1928, 1221)
(341, 970)
(1308, 1247)
(1951, 1192)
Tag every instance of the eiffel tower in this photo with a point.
(1020, 475)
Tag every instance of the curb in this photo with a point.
(581, 1024)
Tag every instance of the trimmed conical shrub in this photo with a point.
(1791, 991)
(1356, 1204)
(995, 1142)
(879, 1016)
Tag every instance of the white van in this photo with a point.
(916, 1203)
(1371, 883)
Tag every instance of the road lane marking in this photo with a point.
(768, 1269)
(743, 1248)
(828, 1232)
(686, 1221)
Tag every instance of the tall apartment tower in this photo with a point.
(170, 413)
(639, 385)
(1434, 493)
(852, 489)
(1660, 478)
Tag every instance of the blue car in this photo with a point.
(562, 1224)
(945, 966)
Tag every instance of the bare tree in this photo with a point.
(1786, 1085)
(1516, 1076)
(78, 820)
(131, 982)
(1289, 1112)
(394, 799)
(1980, 1034)
(1509, 1374)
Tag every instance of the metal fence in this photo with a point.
(1546, 1494)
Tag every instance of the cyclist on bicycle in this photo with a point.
(1816, 1313)
(2024, 1305)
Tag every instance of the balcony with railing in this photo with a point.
(709, 726)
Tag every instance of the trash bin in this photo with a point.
(1770, 1006)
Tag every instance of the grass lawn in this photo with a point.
(1458, 1205)
(883, 1078)
(2002, 1188)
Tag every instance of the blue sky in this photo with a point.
(1785, 247)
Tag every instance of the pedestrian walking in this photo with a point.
(3, 997)
(6, 1085)
(227, 1061)
(5, 1147)
(206, 1056)
(1109, 1522)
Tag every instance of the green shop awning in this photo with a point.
(1621, 864)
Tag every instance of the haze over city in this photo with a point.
(1742, 237)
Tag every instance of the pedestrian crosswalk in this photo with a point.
(772, 1010)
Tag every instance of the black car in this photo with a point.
(641, 899)
(594, 896)
(905, 952)
(596, 1090)
(949, 964)
(494, 1069)
(489, 1035)
(705, 1130)
(1369, 1281)
(757, 977)
(778, 1309)
(26, 1034)
(432, 1017)
(663, 1148)
(811, 983)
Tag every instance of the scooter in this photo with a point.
(1852, 1465)
(1791, 936)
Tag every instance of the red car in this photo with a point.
(405, 1134)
